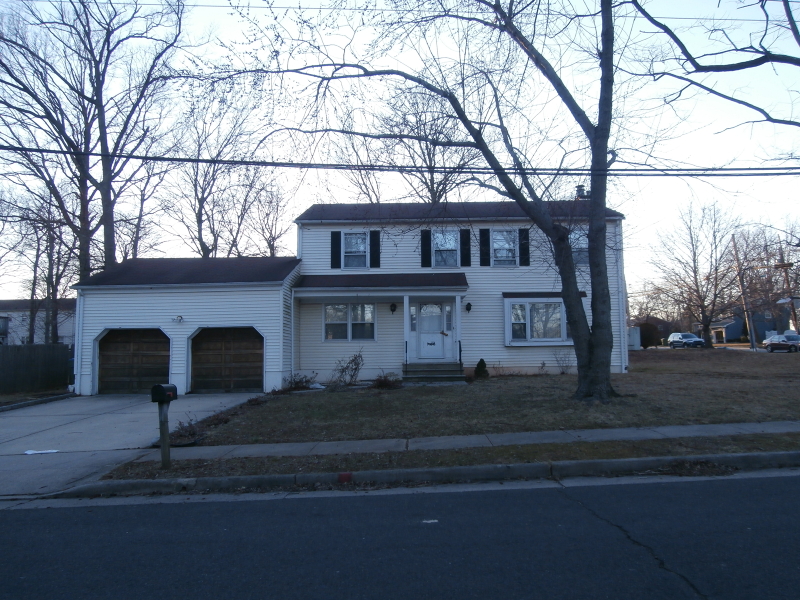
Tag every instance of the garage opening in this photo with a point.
(228, 359)
(133, 360)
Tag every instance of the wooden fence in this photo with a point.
(35, 368)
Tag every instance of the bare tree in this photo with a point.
(47, 251)
(438, 169)
(84, 78)
(498, 71)
(769, 38)
(225, 208)
(696, 265)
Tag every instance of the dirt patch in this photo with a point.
(8, 399)
(664, 387)
(468, 456)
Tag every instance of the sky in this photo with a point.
(707, 132)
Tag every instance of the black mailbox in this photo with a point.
(164, 393)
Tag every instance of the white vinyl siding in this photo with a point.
(318, 355)
(482, 329)
(200, 307)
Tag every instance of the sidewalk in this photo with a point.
(90, 436)
(474, 441)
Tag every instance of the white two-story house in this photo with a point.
(417, 289)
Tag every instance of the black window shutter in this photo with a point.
(524, 248)
(336, 249)
(466, 256)
(485, 247)
(425, 247)
(375, 249)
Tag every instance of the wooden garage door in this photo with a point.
(228, 359)
(133, 360)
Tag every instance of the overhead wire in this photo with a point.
(546, 171)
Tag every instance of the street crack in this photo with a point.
(659, 561)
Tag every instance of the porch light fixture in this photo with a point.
(468, 306)
(393, 307)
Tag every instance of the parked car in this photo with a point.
(790, 343)
(685, 340)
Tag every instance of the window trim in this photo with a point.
(457, 249)
(527, 301)
(365, 233)
(350, 322)
(515, 233)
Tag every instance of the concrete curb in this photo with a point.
(554, 470)
(37, 401)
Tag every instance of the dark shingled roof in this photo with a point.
(64, 304)
(384, 280)
(419, 211)
(169, 271)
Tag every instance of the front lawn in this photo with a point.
(664, 387)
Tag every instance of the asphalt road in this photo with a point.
(724, 538)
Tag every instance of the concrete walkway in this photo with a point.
(91, 435)
(476, 441)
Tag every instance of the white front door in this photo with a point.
(430, 328)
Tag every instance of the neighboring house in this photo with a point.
(412, 287)
(15, 321)
(665, 328)
(764, 321)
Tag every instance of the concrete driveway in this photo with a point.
(91, 434)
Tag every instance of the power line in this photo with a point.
(546, 171)
(266, 6)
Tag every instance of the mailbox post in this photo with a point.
(164, 394)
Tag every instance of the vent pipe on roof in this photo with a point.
(581, 193)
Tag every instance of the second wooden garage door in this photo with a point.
(229, 359)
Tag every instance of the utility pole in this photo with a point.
(746, 304)
(784, 266)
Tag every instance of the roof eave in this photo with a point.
(180, 285)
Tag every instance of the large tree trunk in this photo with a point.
(594, 380)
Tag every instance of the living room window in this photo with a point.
(349, 321)
(536, 321)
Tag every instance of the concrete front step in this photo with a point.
(433, 372)
(449, 366)
(432, 378)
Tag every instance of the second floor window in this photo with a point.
(445, 248)
(504, 248)
(355, 250)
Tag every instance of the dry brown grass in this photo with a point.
(7, 399)
(466, 456)
(664, 387)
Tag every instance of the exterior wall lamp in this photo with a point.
(468, 306)
(393, 307)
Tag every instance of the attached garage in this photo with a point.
(228, 359)
(202, 324)
(132, 361)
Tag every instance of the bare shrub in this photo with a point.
(543, 368)
(296, 381)
(563, 360)
(387, 381)
(346, 371)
